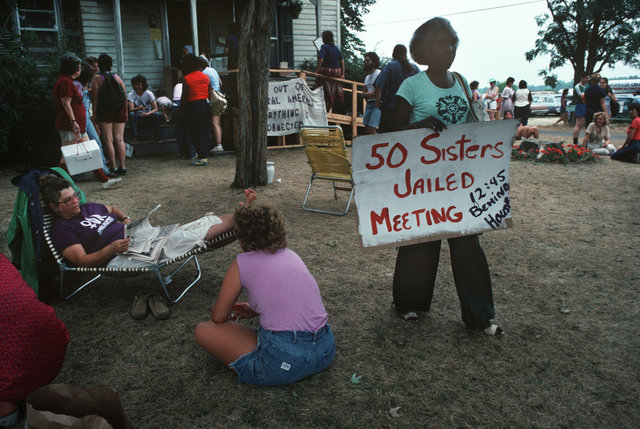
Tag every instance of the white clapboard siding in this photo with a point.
(138, 49)
(304, 29)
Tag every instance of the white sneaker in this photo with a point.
(217, 149)
(109, 183)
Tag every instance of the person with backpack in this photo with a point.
(110, 112)
(387, 84)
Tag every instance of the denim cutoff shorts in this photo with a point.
(371, 115)
(282, 357)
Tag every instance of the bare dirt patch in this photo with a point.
(565, 284)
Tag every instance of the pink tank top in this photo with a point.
(282, 290)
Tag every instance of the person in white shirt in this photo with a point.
(372, 113)
(491, 99)
(507, 98)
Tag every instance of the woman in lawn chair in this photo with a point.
(92, 234)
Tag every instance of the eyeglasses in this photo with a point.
(69, 201)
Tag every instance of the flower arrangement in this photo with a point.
(574, 154)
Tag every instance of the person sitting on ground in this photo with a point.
(33, 342)
(142, 107)
(523, 131)
(91, 234)
(164, 105)
(294, 339)
(598, 136)
(631, 148)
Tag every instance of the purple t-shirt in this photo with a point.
(94, 228)
(282, 290)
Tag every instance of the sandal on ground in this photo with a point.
(494, 331)
(10, 419)
(139, 308)
(409, 316)
(158, 307)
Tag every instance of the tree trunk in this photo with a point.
(253, 84)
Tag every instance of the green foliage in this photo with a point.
(589, 34)
(26, 101)
(352, 46)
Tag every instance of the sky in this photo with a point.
(494, 36)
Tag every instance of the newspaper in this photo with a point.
(146, 240)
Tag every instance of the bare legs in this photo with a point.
(106, 134)
(118, 142)
(577, 127)
(225, 341)
(217, 129)
(7, 407)
(112, 135)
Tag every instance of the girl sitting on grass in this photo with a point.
(293, 339)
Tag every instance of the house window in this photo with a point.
(281, 38)
(37, 22)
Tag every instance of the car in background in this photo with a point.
(625, 100)
(544, 104)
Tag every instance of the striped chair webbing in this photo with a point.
(215, 243)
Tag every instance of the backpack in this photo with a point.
(111, 95)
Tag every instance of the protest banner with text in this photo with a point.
(291, 105)
(420, 185)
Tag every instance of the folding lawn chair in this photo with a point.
(192, 255)
(329, 160)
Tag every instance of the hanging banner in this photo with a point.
(419, 185)
(291, 105)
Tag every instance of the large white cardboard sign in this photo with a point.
(420, 185)
(292, 104)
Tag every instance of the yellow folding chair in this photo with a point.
(329, 160)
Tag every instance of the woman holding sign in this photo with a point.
(434, 99)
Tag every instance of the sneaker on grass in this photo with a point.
(200, 162)
(109, 183)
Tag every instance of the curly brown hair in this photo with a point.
(260, 227)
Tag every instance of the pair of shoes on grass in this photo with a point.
(200, 162)
(142, 304)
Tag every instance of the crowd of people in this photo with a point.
(593, 102)
(293, 339)
(91, 103)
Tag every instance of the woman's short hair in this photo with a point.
(190, 64)
(474, 84)
(327, 37)
(86, 73)
(419, 45)
(375, 59)
(69, 63)
(51, 186)
(510, 80)
(105, 62)
(140, 79)
(260, 227)
(522, 84)
(604, 116)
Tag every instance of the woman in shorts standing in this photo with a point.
(110, 121)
